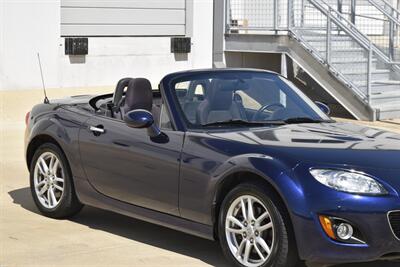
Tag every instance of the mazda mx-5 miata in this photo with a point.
(235, 155)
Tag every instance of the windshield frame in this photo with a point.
(171, 80)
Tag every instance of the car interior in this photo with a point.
(215, 100)
(129, 94)
(202, 101)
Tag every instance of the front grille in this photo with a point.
(394, 220)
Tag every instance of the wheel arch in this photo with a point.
(233, 179)
(36, 142)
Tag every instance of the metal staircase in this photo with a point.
(358, 44)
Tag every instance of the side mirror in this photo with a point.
(324, 107)
(140, 118)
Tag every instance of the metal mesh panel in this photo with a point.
(310, 25)
(257, 15)
(254, 14)
(282, 14)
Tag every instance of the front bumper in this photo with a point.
(368, 213)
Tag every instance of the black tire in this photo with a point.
(284, 252)
(69, 204)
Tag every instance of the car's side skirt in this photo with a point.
(89, 196)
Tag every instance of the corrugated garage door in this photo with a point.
(122, 17)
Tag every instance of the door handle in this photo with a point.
(97, 130)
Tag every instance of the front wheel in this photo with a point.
(252, 230)
(51, 183)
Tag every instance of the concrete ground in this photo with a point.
(94, 237)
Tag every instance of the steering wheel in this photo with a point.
(264, 108)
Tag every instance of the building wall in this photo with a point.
(123, 17)
(31, 26)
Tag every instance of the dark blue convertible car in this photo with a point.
(234, 155)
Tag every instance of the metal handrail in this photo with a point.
(393, 19)
(349, 28)
(343, 24)
(394, 11)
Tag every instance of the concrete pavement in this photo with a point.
(93, 237)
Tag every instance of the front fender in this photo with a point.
(62, 128)
(275, 172)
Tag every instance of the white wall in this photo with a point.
(28, 26)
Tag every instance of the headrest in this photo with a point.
(220, 94)
(119, 90)
(139, 95)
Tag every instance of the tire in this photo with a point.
(278, 238)
(65, 202)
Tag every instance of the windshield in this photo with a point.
(242, 98)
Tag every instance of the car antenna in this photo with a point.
(46, 100)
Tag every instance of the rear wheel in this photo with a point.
(253, 231)
(51, 183)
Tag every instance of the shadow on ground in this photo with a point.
(164, 238)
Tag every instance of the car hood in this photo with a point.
(324, 143)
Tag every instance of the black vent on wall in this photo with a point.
(76, 46)
(181, 45)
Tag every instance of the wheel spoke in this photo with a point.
(44, 166)
(48, 197)
(250, 210)
(55, 166)
(235, 221)
(51, 164)
(244, 212)
(247, 252)
(262, 217)
(58, 187)
(53, 197)
(263, 245)
(40, 184)
(240, 248)
(42, 172)
(235, 231)
(259, 252)
(265, 227)
(59, 180)
(43, 190)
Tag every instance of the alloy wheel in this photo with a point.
(249, 231)
(49, 180)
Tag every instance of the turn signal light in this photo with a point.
(327, 226)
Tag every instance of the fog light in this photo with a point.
(344, 231)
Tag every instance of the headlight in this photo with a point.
(346, 181)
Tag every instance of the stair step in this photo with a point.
(310, 37)
(389, 95)
(345, 50)
(389, 114)
(378, 87)
(362, 77)
(394, 105)
(388, 105)
(352, 60)
(361, 72)
(334, 44)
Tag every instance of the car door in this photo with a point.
(125, 164)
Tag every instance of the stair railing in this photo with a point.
(326, 23)
(331, 24)
(392, 15)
